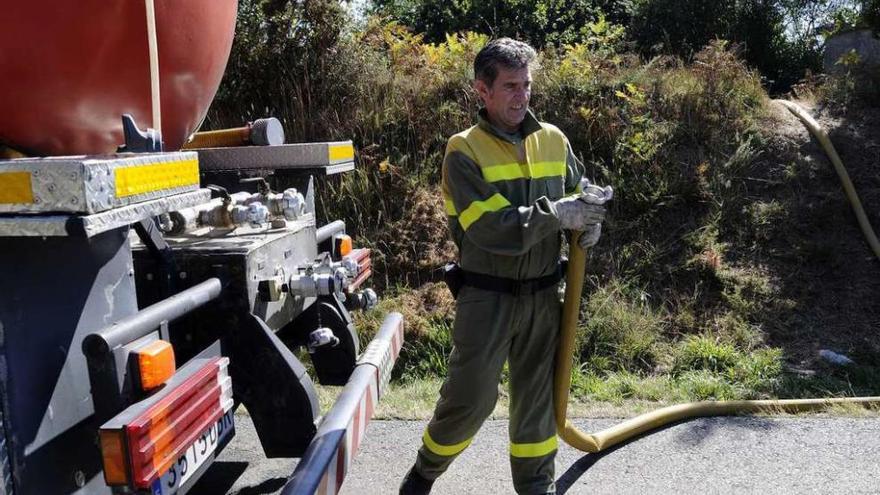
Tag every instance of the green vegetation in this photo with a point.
(724, 266)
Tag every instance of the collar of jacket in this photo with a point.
(529, 125)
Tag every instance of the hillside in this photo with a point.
(729, 258)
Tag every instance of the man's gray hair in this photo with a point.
(508, 53)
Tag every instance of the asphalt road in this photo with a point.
(710, 455)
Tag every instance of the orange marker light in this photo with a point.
(155, 364)
(113, 454)
(344, 245)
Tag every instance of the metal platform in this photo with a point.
(93, 184)
(322, 158)
(92, 225)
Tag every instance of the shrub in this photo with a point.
(704, 353)
(618, 334)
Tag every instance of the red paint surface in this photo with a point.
(69, 70)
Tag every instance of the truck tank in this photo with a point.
(70, 70)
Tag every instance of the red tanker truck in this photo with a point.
(154, 279)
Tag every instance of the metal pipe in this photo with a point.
(148, 319)
(330, 230)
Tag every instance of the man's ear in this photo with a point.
(481, 88)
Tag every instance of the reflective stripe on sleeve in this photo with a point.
(512, 171)
(539, 449)
(476, 209)
(444, 450)
(450, 207)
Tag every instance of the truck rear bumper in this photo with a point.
(325, 463)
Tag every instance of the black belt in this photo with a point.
(513, 286)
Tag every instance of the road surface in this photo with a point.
(709, 455)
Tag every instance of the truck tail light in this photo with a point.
(113, 454)
(155, 364)
(152, 441)
(343, 245)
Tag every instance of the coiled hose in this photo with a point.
(574, 279)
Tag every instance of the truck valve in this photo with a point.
(321, 337)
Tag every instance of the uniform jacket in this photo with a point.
(498, 191)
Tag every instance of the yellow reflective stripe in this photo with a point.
(450, 207)
(511, 171)
(533, 449)
(140, 179)
(338, 152)
(547, 169)
(476, 209)
(444, 450)
(15, 187)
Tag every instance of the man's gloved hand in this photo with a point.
(590, 236)
(576, 214)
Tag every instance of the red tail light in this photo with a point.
(157, 437)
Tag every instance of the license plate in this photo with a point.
(196, 455)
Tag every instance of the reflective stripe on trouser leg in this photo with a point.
(532, 427)
(481, 339)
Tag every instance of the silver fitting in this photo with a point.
(293, 204)
(363, 300)
(254, 214)
(319, 284)
(351, 267)
(320, 338)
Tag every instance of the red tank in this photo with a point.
(70, 69)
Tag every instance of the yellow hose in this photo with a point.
(574, 279)
(848, 187)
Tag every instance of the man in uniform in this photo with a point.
(510, 185)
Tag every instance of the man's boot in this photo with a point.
(415, 484)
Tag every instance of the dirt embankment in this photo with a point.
(819, 258)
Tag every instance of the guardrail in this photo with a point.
(325, 463)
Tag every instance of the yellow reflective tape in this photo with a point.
(511, 171)
(539, 449)
(450, 207)
(336, 152)
(444, 450)
(476, 209)
(15, 187)
(140, 179)
(547, 169)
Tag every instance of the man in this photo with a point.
(510, 185)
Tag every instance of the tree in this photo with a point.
(770, 33)
(539, 22)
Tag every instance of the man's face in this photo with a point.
(507, 99)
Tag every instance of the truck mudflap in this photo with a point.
(328, 458)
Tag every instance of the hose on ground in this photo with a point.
(574, 279)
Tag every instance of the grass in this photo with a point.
(628, 364)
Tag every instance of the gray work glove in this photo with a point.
(590, 236)
(576, 214)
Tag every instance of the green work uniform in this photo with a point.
(498, 190)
